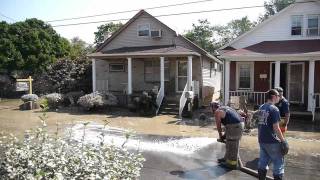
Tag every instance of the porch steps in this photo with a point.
(169, 107)
(301, 115)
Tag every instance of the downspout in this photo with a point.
(201, 82)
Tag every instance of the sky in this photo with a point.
(47, 10)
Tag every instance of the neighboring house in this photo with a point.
(145, 54)
(282, 51)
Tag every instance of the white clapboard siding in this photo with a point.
(279, 28)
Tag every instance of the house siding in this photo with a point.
(117, 81)
(261, 84)
(210, 82)
(280, 27)
(129, 36)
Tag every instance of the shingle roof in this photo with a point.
(140, 51)
(278, 48)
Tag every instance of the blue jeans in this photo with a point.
(271, 153)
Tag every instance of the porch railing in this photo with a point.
(183, 100)
(159, 99)
(252, 97)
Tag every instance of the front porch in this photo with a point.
(167, 74)
(252, 79)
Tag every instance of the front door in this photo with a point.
(181, 75)
(296, 83)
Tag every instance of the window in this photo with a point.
(144, 30)
(313, 25)
(152, 70)
(116, 67)
(245, 75)
(296, 26)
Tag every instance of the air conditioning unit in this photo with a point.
(156, 33)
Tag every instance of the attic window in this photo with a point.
(296, 26)
(144, 30)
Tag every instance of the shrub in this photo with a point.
(54, 99)
(43, 156)
(29, 97)
(65, 76)
(74, 96)
(111, 100)
(92, 101)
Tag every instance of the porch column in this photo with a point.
(277, 74)
(189, 73)
(129, 75)
(311, 84)
(226, 81)
(162, 74)
(94, 79)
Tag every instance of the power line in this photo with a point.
(127, 11)
(7, 17)
(176, 14)
(163, 15)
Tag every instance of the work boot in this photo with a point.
(277, 177)
(262, 173)
(221, 160)
(228, 166)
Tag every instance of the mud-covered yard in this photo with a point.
(303, 159)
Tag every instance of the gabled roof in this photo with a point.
(178, 49)
(267, 48)
(116, 33)
(257, 27)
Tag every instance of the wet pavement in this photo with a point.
(168, 157)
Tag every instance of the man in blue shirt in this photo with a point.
(234, 126)
(270, 137)
(283, 106)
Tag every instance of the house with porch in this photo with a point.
(284, 50)
(145, 54)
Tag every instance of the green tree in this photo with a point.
(105, 31)
(202, 35)
(79, 48)
(30, 46)
(232, 30)
(274, 6)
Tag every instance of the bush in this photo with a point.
(92, 101)
(41, 156)
(54, 99)
(29, 97)
(74, 96)
(111, 100)
(65, 76)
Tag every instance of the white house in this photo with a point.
(283, 51)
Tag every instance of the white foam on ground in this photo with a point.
(116, 136)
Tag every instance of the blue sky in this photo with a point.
(45, 10)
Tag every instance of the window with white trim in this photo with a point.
(244, 75)
(296, 25)
(144, 30)
(152, 70)
(313, 25)
(116, 67)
